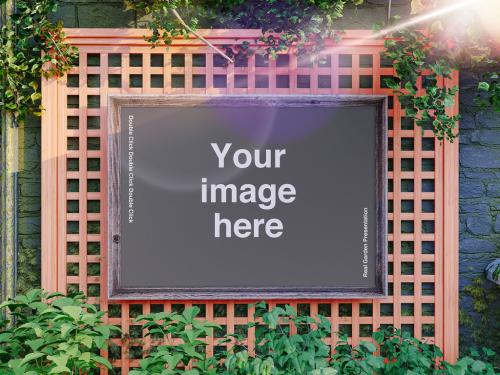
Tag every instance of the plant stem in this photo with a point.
(218, 50)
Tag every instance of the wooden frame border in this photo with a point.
(49, 192)
(117, 292)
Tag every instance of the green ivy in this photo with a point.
(414, 55)
(298, 22)
(35, 47)
(31, 46)
(489, 91)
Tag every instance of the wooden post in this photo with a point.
(8, 271)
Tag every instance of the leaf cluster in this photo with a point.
(52, 334)
(482, 324)
(55, 334)
(182, 348)
(393, 352)
(287, 343)
(489, 91)
(415, 54)
(31, 46)
(305, 23)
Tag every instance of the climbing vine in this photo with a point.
(414, 55)
(304, 23)
(483, 324)
(31, 46)
(415, 51)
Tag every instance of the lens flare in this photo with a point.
(488, 13)
(488, 8)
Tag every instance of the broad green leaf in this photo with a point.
(73, 311)
(30, 357)
(102, 361)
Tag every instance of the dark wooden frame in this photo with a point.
(117, 292)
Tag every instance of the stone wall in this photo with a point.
(29, 205)
(479, 218)
(479, 183)
(95, 13)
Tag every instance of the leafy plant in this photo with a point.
(31, 46)
(478, 362)
(489, 91)
(183, 352)
(52, 334)
(285, 343)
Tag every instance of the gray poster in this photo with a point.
(248, 197)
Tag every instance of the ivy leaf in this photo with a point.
(449, 101)
(392, 83)
(478, 367)
(483, 86)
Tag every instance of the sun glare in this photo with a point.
(461, 12)
(488, 13)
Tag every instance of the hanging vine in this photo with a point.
(415, 51)
(31, 46)
(433, 50)
(283, 23)
(415, 55)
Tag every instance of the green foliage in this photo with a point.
(279, 351)
(478, 362)
(33, 47)
(51, 334)
(297, 21)
(489, 91)
(30, 47)
(434, 51)
(173, 358)
(399, 353)
(483, 324)
(414, 54)
(286, 343)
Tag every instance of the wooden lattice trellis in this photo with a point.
(423, 178)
